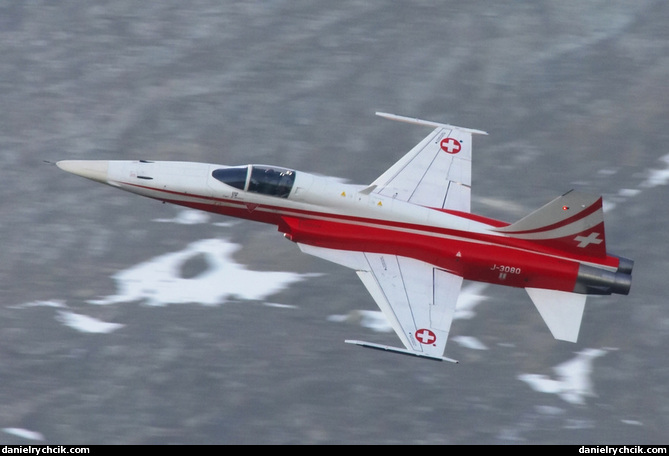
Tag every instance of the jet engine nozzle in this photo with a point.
(593, 280)
(625, 265)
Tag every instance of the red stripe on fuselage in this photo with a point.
(474, 217)
(477, 256)
(471, 259)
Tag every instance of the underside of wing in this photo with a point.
(417, 299)
(436, 172)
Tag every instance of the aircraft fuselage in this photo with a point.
(325, 212)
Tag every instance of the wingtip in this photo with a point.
(428, 123)
(401, 351)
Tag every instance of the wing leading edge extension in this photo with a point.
(417, 299)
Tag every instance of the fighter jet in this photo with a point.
(409, 235)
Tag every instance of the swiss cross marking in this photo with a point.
(425, 336)
(450, 145)
(584, 241)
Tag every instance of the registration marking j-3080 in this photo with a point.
(505, 269)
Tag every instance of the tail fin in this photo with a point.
(572, 223)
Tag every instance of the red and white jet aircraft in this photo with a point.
(409, 235)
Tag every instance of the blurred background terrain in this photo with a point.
(574, 95)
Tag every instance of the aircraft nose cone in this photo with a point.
(90, 169)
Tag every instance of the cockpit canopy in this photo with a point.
(234, 176)
(266, 180)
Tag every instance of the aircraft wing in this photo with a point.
(436, 172)
(417, 299)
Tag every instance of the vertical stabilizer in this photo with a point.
(573, 223)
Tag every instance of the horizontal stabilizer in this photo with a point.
(562, 311)
(401, 351)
